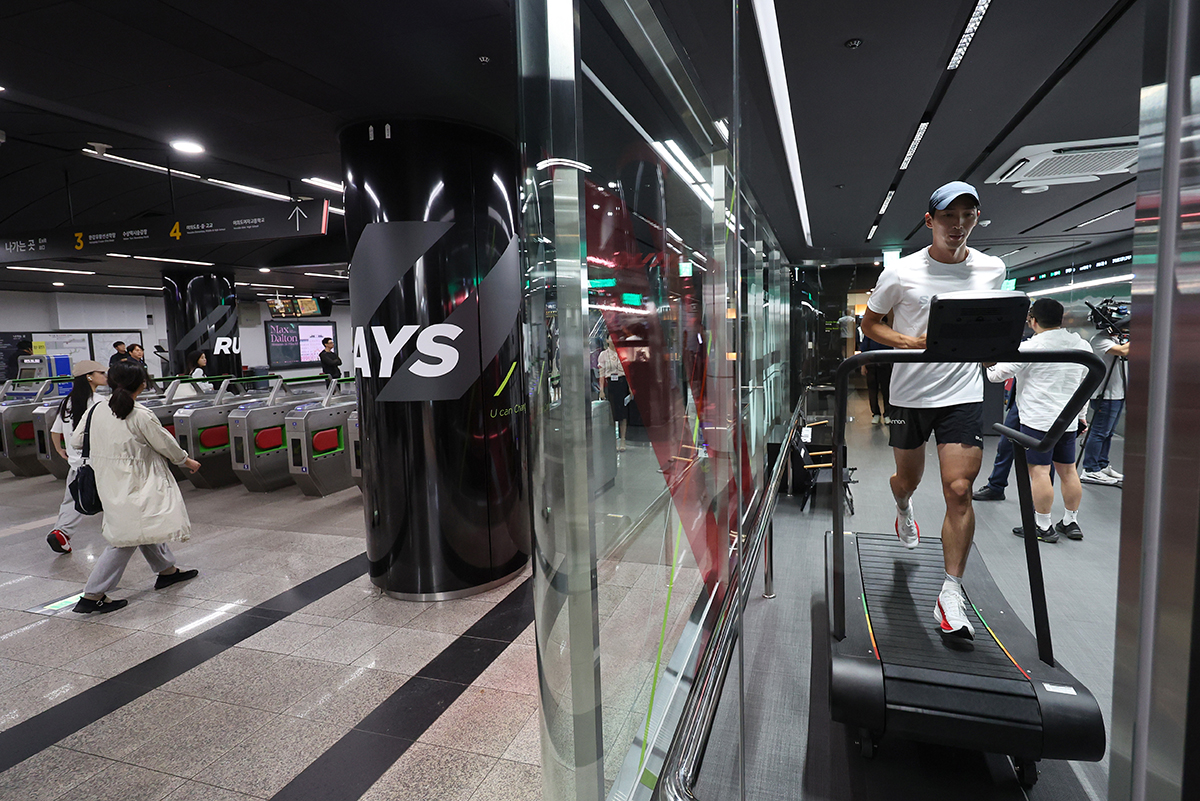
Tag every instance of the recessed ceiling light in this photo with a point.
(187, 146)
(59, 283)
(264, 269)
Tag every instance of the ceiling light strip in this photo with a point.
(1101, 217)
(912, 148)
(324, 183)
(1115, 279)
(768, 34)
(329, 275)
(145, 165)
(174, 261)
(130, 286)
(51, 270)
(886, 202)
(968, 34)
(871, 233)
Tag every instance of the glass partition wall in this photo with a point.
(656, 307)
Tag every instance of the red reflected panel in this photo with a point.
(656, 320)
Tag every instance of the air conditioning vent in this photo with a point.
(1067, 162)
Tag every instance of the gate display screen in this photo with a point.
(297, 344)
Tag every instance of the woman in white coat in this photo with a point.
(143, 508)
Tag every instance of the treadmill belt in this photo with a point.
(901, 589)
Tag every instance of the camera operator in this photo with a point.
(1110, 343)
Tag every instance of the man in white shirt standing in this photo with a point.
(1043, 390)
(940, 399)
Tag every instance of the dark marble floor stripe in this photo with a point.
(61, 720)
(355, 762)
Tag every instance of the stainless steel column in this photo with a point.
(1155, 684)
(565, 587)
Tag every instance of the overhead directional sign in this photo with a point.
(273, 221)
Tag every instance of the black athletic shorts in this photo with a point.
(910, 428)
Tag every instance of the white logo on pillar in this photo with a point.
(428, 344)
(227, 346)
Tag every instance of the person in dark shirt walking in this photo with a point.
(330, 361)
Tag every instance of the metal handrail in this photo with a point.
(691, 738)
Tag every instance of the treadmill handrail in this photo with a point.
(682, 762)
(1090, 383)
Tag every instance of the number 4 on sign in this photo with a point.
(175, 230)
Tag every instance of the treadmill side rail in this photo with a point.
(856, 694)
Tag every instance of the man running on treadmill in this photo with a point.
(940, 399)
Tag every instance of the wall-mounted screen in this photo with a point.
(297, 344)
(293, 307)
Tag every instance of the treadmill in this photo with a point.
(891, 672)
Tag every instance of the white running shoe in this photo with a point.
(951, 614)
(875, 419)
(1109, 471)
(1097, 477)
(907, 529)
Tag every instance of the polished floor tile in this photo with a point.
(120, 733)
(482, 721)
(121, 782)
(48, 688)
(406, 651)
(49, 774)
(431, 773)
(347, 696)
(263, 765)
(511, 781)
(345, 642)
(198, 736)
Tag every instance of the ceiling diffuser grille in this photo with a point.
(1067, 162)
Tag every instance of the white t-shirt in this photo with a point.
(1044, 389)
(1101, 343)
(847, 325)
(904, 291)
(198, 372)
(62, 425)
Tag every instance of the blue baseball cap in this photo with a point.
(946, 193)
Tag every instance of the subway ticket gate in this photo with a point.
(32, 367)
(354, 438)
(18, 440)
(320, 450)
(202, 429)
(179, 392)
(260, 448)
(43, 418)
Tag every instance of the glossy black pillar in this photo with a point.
(202, 315)
(435, 299)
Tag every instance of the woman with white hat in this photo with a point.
(143, 508)
(88, 376)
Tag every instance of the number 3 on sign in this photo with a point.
(79, 240)
(175, 231)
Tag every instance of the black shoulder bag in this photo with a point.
(83, 486)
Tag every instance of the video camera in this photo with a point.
(1112, 317)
